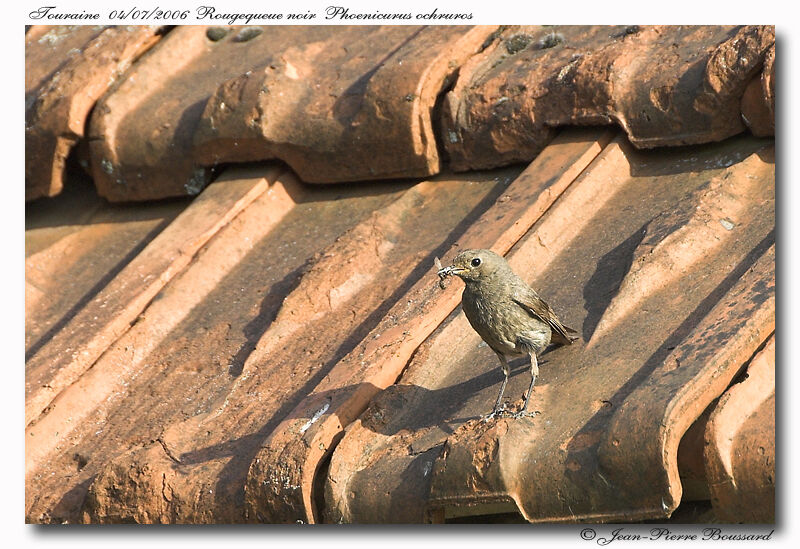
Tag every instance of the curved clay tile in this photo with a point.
(664, 85)
(614, 407)
(68, 68)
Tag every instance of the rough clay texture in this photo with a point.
(298, 446)
(372, 102)
(422, 439)
(245, 370)
(258, 313)
(357, 106)
(336, 103)
(273, 351)
(758, 101)
(80, 64)
(740, 445)
(112, 310)
(671, 85)
(69, 263)
(141, 133)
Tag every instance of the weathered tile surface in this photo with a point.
(63, 358)
(48, 47)
(172, 359)
(322, 285)
(337, 103)
(141, 133)
(357, 105)
(281, 482)
(67, 69)
(740, 445)
(74, 244)
(602, 240)
(282, 352)
(664, 85)
(758, 101)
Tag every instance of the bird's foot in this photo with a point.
(524, 413)
(498, 411)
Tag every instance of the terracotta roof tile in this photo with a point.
(664, 85)
(231, 92)
(88, 334)
(75, 245)
(593, 447)
(296, 447)
(49, 47)
(740, 445)
(358, 105)
(758, 101)
(297, 264)
(274, 351)
(304, 95)
(141, 133)
(69, 68)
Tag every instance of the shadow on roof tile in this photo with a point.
(68, 68)
(597, 442)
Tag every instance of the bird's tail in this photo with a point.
(565, 336)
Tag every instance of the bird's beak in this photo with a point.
(451, 270)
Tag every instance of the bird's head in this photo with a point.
(475, 265)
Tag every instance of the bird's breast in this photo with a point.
(499, 321)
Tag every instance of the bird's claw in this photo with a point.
(523, 413)
(490, 416)
(498, 411)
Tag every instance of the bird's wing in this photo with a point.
(536, 306)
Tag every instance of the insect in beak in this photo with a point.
(442, 272)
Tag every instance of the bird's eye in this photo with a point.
(475, 262)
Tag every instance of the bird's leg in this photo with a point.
(534, 375)
(498, 407)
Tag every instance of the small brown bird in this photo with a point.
(507, 313)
